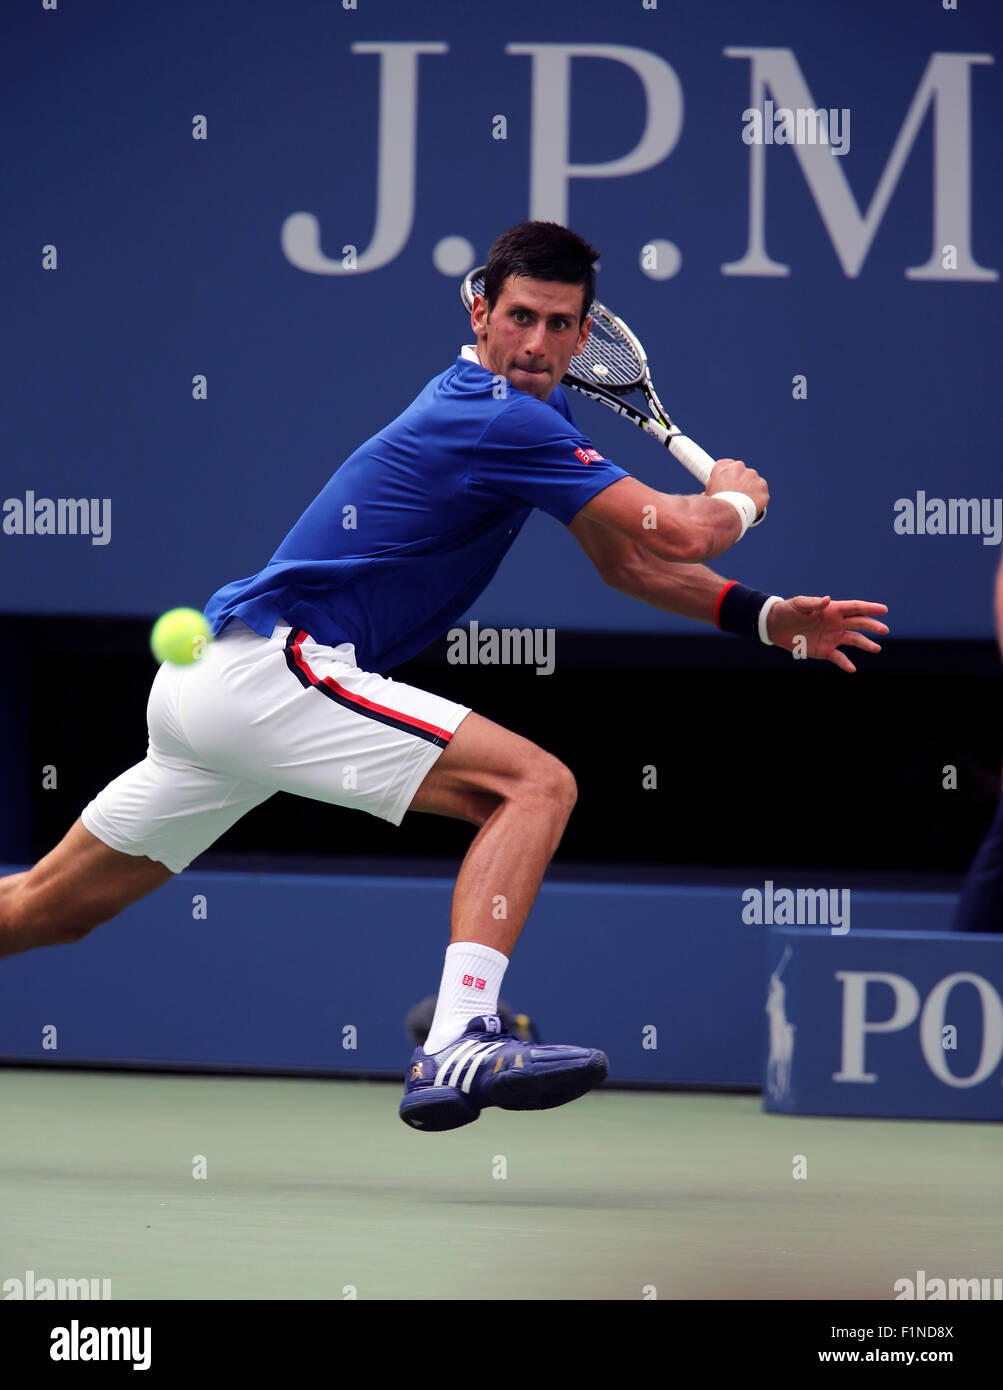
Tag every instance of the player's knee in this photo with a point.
(70, 935)
(60, 933)
(35, 915)
(551, 782)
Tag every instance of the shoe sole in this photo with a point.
(438, 1108)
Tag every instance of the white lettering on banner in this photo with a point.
(550, 170)
(398, 133)
(931, 1026)
(946, 85)
(856, 1026)
(855, 984)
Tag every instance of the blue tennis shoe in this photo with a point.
(486, 1066)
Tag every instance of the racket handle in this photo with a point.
(697, 461)
(692, 457)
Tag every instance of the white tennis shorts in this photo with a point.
(258, 715)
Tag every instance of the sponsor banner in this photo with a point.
(884, 1023)
(261, 269)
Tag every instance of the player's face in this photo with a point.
(532, 333)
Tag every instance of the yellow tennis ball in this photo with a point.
(180, 636)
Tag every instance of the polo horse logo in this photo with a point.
(778, 1067)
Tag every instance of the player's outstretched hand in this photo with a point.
(823, 626)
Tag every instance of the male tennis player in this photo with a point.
(293, 695)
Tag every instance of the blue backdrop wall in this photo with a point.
(317, 973)
(873, 274)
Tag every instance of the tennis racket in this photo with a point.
(613, 365)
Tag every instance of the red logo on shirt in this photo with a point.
(588, 455)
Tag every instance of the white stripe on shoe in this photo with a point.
(480, 1057)
(459, 1056)
(473, 1058)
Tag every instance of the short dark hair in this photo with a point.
(541, 251)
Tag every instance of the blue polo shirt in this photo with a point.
(412, 527)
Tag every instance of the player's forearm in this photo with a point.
(700, 527)
(999, 606)
(689, 590)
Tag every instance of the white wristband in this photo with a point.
(764, 614)
(742, 503)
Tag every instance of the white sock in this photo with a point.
(471, 981)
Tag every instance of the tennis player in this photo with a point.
(293, 695)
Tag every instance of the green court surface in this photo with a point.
(315, 1189)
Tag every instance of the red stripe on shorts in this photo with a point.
(361, 700)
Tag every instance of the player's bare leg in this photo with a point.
(77, 886)
(521, 798)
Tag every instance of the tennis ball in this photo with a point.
(180, 636)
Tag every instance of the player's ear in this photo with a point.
(583, 337)
(479, 314)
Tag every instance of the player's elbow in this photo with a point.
(622, 577)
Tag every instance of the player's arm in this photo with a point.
(685, 530)
(811, 626)
(690, 590)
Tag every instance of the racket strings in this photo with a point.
(607, 359)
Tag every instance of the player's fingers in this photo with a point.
(857, 639)
(868, 625)
(858, 608)
(843, 662)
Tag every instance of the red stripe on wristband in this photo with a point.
(717, 607)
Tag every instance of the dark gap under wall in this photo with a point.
(759, 759)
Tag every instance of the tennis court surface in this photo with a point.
(315, 1190)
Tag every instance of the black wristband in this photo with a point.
(737, 609)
